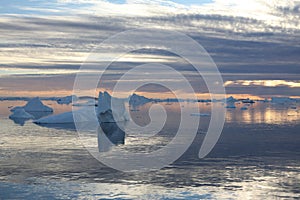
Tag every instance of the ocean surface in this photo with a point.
(256, 157)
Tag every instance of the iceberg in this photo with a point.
(84, 115)
(111, 109)
(105, 114)
(137, 100)
(230, 102)
(34, 105)
(281, 100)
(20, 113)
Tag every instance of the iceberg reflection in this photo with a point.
(109, 135)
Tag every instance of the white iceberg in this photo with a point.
(20, 113)
(137, 100)
(111, 109)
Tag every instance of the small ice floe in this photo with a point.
(201, 114)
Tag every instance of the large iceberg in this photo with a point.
(111, 109)
(281, 100)
(137, 100)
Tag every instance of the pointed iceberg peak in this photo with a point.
(231, 99)
(36, 105)
(111, 109)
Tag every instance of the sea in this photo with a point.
(257, 155)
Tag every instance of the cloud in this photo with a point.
(243, 37)
(264, 83)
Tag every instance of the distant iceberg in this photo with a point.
(230, 102)
(34, 105)
(137, 100)
(104, 113)
(281, 100)
(66, 100)
(111, 109)
(201, 114)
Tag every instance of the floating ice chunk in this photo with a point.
(20, 113)
(248, 101)
(66, 100)
(137, 100)
(35, 105)
(111, 109)
(230, 102)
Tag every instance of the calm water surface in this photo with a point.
(257, 156)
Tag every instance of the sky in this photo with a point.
(255, 43)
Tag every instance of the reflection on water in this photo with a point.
(266, 113)
(109, 135)
(19, 121)
(257, 157)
